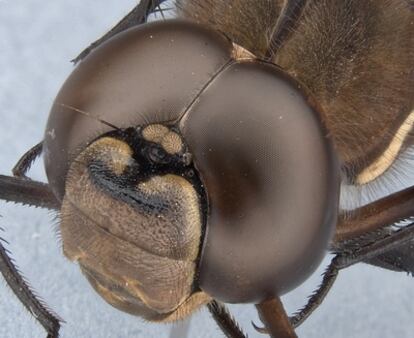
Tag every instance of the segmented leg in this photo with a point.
(366, 237)
(137, 16)
(343, 260)
(25, 294)
(27, 192)
(273, 315)
(224, 320)
(376, 215)
(26, 161)
(317, 296)
(375, 221)
(20, 190)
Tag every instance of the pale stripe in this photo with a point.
(383, 162)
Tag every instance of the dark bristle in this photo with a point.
(28, 297)
(225, 320)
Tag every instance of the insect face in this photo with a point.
(132, 219)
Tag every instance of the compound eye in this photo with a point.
(271, 178)
(157, 155)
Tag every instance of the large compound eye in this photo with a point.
(218, 173)
(271, 178)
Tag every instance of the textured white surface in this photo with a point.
(37, 40)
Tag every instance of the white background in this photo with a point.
(37, 40)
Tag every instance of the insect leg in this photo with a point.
(25, 294)
(346, 259)
(376, 215)
(19, 190)
(394, 240)
(317, 296)
(137, 16)
(374, 222)
(224, 320)
(273, 315)
(26, 161)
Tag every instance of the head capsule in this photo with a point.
(217, 180)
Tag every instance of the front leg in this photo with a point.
(372, 223)
(273, 315)
(25, 294)
(27, 192)
(225, 320)
(376, 215)
(368, 237)
(25, 162)
(21, 190)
